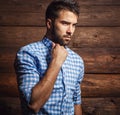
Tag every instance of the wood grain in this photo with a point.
(101, 106)
(100, 60)
(89, 16)
(10, 106)
(101, 85)
(8, 85)
(35, 6)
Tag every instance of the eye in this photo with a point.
(74, 25)
(65, 23)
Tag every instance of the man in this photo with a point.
(48, 72)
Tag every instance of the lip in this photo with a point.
(67, 38)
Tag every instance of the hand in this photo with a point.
(59, 53)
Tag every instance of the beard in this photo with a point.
(60, 39)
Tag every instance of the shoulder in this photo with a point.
(30, 51)
(32, 46)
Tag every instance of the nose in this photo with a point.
(70, 30)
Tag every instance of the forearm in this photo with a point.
(42, 90)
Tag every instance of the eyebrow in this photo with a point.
(63, 21)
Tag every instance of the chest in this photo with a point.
(68, 74)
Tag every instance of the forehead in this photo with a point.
(67, 16)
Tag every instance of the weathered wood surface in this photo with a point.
(10, 106)
(101, 106)
(93, 85)
(91, 106)
(11, 3)
(100, 60)
(94, 37)
(90, 16)
(8, 85)
(101, 85)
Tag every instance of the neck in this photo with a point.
(49, 36)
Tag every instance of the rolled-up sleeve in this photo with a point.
(27, 74)
(77, 92)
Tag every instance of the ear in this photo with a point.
(49, 23)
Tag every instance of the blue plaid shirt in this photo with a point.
(30, 65)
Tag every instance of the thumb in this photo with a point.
(53, 44)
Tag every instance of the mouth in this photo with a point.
(67, 37)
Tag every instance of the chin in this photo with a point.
(66, 43)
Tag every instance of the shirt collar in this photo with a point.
(47, 42)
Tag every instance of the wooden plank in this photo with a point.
(101, 85)
(97, 60)
(91, 106)
(100, 60)
(90, 16)
(93, 85)
(101, 106)
(35, 6)
(95, 37)
(19, 36)
(99, 2)
(10, 106)
(99, 16)
(82, 2)
(8, 85)
(22, 19)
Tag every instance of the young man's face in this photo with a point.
(63, 27)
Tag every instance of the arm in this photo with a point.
(77, 93)
(78, 109)
(42, 90)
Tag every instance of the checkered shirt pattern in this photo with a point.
(30, 65)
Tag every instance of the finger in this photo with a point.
(53, 44)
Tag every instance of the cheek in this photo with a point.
(74, 30)
(63, 30)
(59, 31)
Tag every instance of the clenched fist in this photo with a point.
(59, 54)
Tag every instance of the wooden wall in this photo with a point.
(97, 40)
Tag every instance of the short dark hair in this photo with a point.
(56, 6)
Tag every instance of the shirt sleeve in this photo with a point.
(27, 74)
(77, 93)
